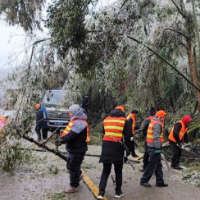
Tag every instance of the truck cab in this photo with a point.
(55, 107)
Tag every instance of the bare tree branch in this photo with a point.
(167, 29)
(179, 10)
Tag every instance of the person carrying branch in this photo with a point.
(177, 138)
(132, 120)
(154, 140)
(75, 136)
(115, 128)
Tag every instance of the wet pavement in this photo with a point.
(46, 177)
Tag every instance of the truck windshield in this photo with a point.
(61, 98)
(54, 97)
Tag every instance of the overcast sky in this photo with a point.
(13, 38)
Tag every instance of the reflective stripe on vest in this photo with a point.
(69, 126)
(162, 134)
(133, 123)
(150, 138)
(113, 127)
(181, 132)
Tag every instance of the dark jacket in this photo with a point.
(39, 118)
(113, 152)
(177, 128)
(145, 127)
(76, 139)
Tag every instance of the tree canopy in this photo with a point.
(138, 54)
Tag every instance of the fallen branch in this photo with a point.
(56, 152)
(62, 152)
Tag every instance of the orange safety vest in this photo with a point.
(2, 123)
(181, 132)
(133, 123)
(150, 138)
(162, 134)
(150, 117)
(69, 126)
(113, 127)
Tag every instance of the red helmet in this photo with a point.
(186, 119)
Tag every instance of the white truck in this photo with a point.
(55, 106)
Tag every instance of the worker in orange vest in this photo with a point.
(154, 141)
(76, 137)
(177, 137)
(132, 120)
(151, 112)
(115, 128)
(2, 123)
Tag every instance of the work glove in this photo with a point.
(158, 151)
(58, 142)
(186, 145)
(179, 144)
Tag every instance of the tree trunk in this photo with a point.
(193, 69)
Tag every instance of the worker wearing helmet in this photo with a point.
(151, 112)
(154, 141)
(116, 128)
(39, 121)
(132, 120)
(177, 137)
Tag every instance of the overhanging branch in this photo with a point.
(162, 58)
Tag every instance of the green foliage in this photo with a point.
(12, 157)
(66, 23)
(22, 12)
(88, 166)
(53, 169)
(58, 196)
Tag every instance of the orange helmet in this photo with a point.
(120, 108)
(37, 106)
(160, 113)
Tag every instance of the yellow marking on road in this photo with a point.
(91, 185)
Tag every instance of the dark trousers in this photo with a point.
(44, 133)
(74, 161)
(37, 130)
(154, 165)
(146, 155)
(105, 174)
(132, 148)
(176, 154)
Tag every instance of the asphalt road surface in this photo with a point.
(45, 177)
